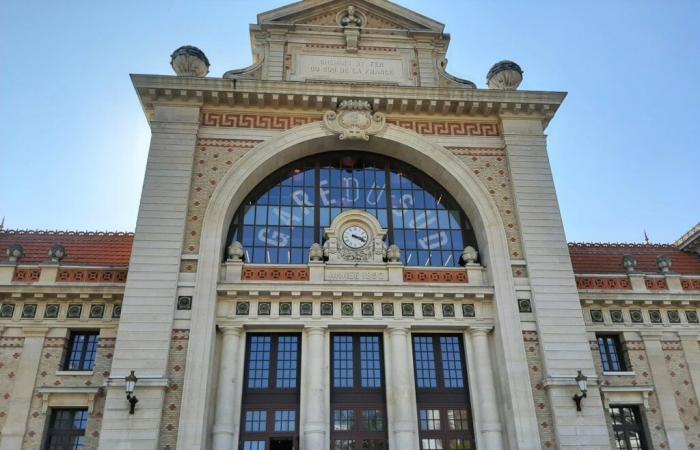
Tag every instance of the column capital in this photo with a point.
(398, 330)
(649, 336)
(228, 330)
(315, 330)
(480, 330)
(34, 331)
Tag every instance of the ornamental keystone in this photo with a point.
(354, 120)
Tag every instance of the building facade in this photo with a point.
(345, 247)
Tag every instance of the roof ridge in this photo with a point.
(66, 233)
(619, 245)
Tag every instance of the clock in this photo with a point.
(355, 237)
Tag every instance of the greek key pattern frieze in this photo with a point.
(268, 122)
(449, 128)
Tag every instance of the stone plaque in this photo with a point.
(350, 68)
(356, 275)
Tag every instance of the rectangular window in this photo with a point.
(358, 403)
(612, 356)
(271, 392)
(66, 429)
(82, 350)
(442, 397)
(628, 428)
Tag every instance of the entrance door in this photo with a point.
(282, 444)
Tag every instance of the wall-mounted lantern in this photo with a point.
(582, 382)
(130, 386)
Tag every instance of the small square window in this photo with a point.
(343, 419)
(285, 421)
(457, 419)
(431, 444)
(256, 421)
(429, 419)
(372, 420)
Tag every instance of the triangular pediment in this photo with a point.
(376, 14)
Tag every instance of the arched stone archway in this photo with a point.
(511, 366)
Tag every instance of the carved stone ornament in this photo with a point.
(505, 76)
(629, 262)
(350, 18)
(189, 61)
(393, 254)
(316, 252)
(57, 252)
(235, 251)
(470, 255)
(354, 120)
(15, 252)
(342, 247)
(664, 264)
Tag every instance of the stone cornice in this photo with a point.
(220, 92)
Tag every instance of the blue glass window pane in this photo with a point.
(342, 362)
(424, 359)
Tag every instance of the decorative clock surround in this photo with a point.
(355, 237)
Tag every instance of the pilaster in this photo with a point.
(314, 373)
(23, 389)
(143, 337)
(664, 392)
(560, 323)
(490, 421)
(401, 393)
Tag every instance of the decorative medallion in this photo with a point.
(184, 303)
(636, 316)
(524, 305)
(368, 309)
(326, 308)
(285, 309)
(428, 310)
(388, 309)
(97, 311)
(616, 316)
(51, 311)
(75, 311)
(7, 310)
(448, 310)
(29, 311)
(354, 120)
(264, 308)
(407, 309)
(468, 310)
(306, 308)
(117, 311)
(242, 308)
(655, 316)
(673, 316)
(597, 316)
(346, 309)
(691, 316)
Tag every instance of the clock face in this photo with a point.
(355, 237)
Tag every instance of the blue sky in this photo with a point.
(74, 141)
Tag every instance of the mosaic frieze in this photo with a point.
(542, 407)
(173, 392)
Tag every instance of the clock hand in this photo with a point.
(358, 237)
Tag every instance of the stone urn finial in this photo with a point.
(393, 254)
(629, 262)
(316, 252)
(57, 252)
(664, 264)
(189, 61)
(505, 76)
(470, 255)
(235, 251)
(15, 252)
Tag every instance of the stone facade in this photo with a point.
(172, 303)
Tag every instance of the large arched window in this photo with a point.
(288, 212)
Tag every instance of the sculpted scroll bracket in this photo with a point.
(354, 120)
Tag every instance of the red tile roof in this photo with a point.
(607, 258)
(82, 247)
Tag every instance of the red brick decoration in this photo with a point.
(236, 143)
(449, 128)
(656, 284)
(275, 274)
(26, 275)
(690, 285)
(91, 276)
(603, 283)
(434, 276)
(269, 122)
